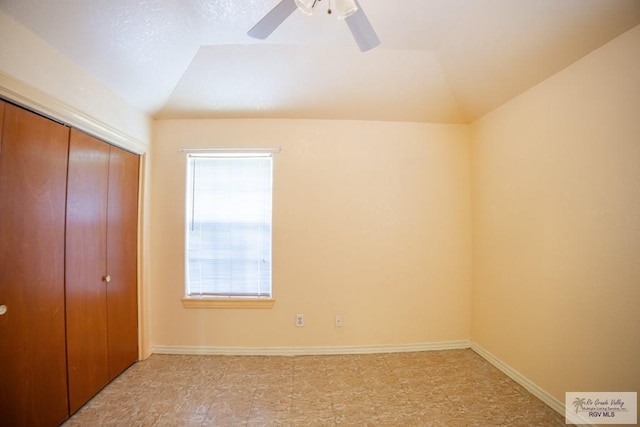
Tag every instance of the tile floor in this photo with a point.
(435, 388)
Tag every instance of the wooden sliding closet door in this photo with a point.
(86, 267)
(101, 265)
(122, 249)
(33, 173)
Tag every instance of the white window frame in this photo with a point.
(224, 301)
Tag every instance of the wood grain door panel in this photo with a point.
(86, 269)
(33, 172)
(122, 237)
(2, 103)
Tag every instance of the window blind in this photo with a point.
(229, 215)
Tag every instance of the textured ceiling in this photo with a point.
(439, 61)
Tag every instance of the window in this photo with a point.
(228, 235)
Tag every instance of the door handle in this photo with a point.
(3, 309)
(107, 278)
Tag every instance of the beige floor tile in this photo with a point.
(437, 388)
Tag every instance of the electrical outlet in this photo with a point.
(338, 321)
(299, 320)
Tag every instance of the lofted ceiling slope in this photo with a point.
(439, 61)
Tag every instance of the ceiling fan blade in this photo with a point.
(272, 20)
(362, 30)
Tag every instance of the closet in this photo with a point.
(68, 257)
(102, 195)
(33, 174)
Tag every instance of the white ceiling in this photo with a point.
(439, 61)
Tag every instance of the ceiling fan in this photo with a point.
(349, 10)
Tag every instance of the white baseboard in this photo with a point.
(311, 351)
(529, 385)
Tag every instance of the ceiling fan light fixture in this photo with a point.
(306, 6)
(345, 8)
(348, 10)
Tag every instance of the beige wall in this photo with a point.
(29, 66)
(556, 226)
(371, 221)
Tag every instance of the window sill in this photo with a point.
(204, 302)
